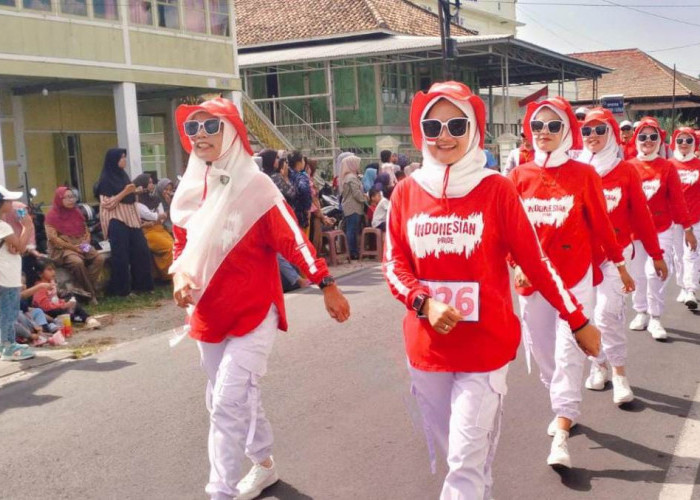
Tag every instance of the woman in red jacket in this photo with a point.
(564, 200)
(450, 227)
(628, 211)
(230, 222)
(684, 145)
(664, 194)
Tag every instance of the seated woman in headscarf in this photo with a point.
(69, 242)
(165, 189)
(121, 224)
(152, 215)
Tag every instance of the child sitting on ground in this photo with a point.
(48, 300)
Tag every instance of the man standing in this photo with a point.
(230, 222)
(520, 156)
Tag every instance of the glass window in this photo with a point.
(140, 12)
(218, 16)
(195, 16)
(37, 4)
(74, 7)
(7, 3)
(168, 14)
(105, 9)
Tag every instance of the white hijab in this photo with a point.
(684, 158)
(560, 155)
(607, 158)
(465, 174)
(654, 154)
(237, 195)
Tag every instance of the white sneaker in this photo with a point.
(657, 330)
(681, 296)
(257, 479)
(599, 376)
(691, 302)
(559, 453)
(622, 393)
(553, 427)
(640, 322)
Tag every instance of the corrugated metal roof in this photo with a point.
(396, 44)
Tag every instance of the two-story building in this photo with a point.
(78, 77)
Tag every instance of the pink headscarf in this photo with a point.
(68, 221)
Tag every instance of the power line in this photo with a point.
(675, 48)
(579, 49)
(658, 16)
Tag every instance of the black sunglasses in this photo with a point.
(553, 126)
(212, 126)
(598, 129)
(688, 140)
(626, 128)
(456, 127)
(648, 137)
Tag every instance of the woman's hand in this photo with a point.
(336, 303)
(27, 222)
(588, 339)
(182, 289)
(690, 239)
(148, 223)
(129, 189)
(627, 281)
(661, 269)
(520, 278)
(442, 317)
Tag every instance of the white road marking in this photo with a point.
(680, 478)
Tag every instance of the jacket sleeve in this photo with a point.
(597, 211)
(289, 240)
(397, 265)
(523, 244)
(42, 300)
(679, 208)
(180, 240)
(642, 222)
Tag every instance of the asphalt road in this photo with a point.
(130, 423)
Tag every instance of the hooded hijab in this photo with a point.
(67, 221)
(571, 138)
(113, 179)
(218, 202)
(676, 152)
(148, 199)
(648, 121)
(460, 178)
(338, 161)
(370, 176)
(609, 157)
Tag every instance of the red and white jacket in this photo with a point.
(455, 251)
(628, 210)
(247, 282)
(664, 193)
(567, 208)
(689, 173)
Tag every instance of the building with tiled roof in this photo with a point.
(275, 22)
(645, 82)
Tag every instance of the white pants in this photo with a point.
(549, 340)
(610, 314)
(685, 261)
(462, 416)
(238, 426)
(648, 296)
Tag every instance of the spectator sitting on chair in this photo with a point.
(165, 189)
(69, 242)
(381, 208)
(152, 215)
(388, 167)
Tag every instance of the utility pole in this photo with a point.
(673, 102)
(449, 50)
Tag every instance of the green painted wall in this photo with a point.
(365, 112)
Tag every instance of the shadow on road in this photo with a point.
(22, 393)
(285, 491)
(683, 336)
(663, 403)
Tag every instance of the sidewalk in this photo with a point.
(126, 327)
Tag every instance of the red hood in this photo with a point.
(605, 116)
(562, 105)
(220, 107)
(684, 130)
(649, 121)
(454, 90)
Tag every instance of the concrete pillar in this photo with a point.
(20, 146)
(127, 113)
(2, 161)
(174, 152)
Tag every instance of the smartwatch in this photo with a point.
(419, 302)
(327, 281)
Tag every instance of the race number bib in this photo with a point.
(462, 295)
